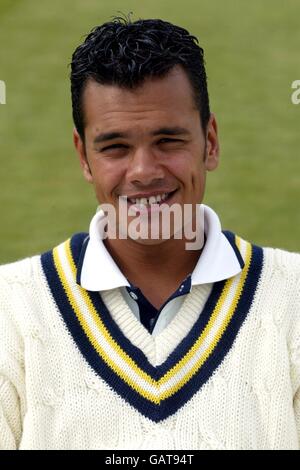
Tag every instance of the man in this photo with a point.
(137, 342)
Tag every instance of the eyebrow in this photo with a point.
(163, 130)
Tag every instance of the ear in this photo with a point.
(80, 148)
(212, 144)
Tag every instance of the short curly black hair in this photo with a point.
(125, 53)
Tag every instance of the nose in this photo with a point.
(144, 167)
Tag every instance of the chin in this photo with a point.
(149, 241)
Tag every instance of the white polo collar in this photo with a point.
(218, 259)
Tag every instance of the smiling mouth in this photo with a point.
(151, 201)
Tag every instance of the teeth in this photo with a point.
(150, 200)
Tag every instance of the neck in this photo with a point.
(168, 261)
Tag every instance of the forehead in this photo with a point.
(157, 99)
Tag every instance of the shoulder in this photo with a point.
(20, 282)
(18, 272)
(279, 282)
(26, 270)
(24, 289)
(287, 262)
(284, 262)
(276, 275)
(273, 258)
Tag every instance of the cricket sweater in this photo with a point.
(79, 371)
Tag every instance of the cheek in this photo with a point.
(181, 165)
(188, 169)
(196, 177)
(107, 177)
(198, 183)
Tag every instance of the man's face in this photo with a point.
(146, 142)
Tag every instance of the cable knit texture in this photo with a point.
(54, 393)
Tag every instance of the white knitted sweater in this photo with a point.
(78, 371)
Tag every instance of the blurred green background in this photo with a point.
(252, 56)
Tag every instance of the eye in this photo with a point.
(166, 140)
(114, 146)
